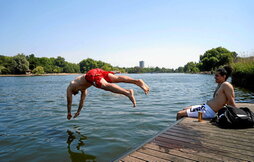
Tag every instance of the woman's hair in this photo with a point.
(226, 70)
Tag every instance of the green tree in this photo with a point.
(8, 64)
(71, 68)
(191, 67)
(38, 70)
(106, 67)
(57, 69)
(215, 58)
(157, 69)
(2, 69)
(210, 63)
(33, 61)
(87, 64)
(46, 63)
(22, 65)
(179, 69)
(59, 61)
(121, 70)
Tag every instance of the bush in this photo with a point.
(243, 74)
(38, 70)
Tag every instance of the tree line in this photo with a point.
(148, 70)
(20, 64)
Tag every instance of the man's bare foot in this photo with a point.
(144, 86)
(76, 115)
(132, 98)
(69, 116)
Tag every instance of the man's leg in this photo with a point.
(181, 114)
(191, 111)
(126, 79)
(117, 89)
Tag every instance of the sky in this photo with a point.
(163, 33)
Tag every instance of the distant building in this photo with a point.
(141, 64)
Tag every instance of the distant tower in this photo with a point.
(141, 64)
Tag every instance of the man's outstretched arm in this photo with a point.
(81, 102)
(69, 103)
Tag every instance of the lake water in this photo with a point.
(33, 124)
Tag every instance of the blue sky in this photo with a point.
(164, 33)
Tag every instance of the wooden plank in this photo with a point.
(185, 149)
(155, 151)
(232, 133)
(220, 152)
(146, 157)
(131, 159)
(218, 133)
(218, 141)
(191, 123)
(216, 145)
(244, 155)
(214, 135)
(179, 154)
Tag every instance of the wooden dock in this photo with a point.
(190, 140)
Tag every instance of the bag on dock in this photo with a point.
(231, 117)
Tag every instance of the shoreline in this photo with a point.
(28, 75)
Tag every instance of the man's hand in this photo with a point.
(77, 114)
(69, 116)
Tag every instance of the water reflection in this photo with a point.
(78, 155)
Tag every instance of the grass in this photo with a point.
(243, 73)
(244, 65)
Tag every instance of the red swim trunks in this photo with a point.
(94, 76)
